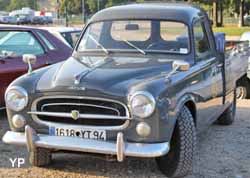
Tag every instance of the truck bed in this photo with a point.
(236, 55)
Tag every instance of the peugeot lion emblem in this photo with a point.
(75, 114)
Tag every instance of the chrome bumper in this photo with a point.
(120, 148)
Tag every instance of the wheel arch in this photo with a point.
(192, 108)
(188, 101)
(242, 79)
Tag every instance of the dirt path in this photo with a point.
(223, 152)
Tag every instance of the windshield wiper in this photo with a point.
(98, 44)
(132, 45)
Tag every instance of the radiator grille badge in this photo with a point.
(75, 114)
(78, 77)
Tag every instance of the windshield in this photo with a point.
(71, 37)
(142, 36)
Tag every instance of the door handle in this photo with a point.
(49, 63)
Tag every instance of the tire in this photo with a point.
(228, 117)
(178, 162)
(242, 90)
(40, 157)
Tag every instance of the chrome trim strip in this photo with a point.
(2, 108)
(80, 104)
(83, 116)
(120, 147)
(53, 124)
(31, 138)
(142, 150)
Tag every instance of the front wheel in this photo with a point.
(40, 157)
(178, 162)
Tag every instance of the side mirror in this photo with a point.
(132, 27)
(178, 66)
(29, 59)
(181, 65)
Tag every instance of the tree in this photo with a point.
(18, 4)
(241, 13)
(3, 4)
(92, 4)
(71, 6)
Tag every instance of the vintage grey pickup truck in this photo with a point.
(142, 81)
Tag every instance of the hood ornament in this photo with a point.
(78, 77)
(75, 114)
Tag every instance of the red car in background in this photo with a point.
(15, 41)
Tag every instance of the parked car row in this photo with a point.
(26, 19)
(8, 20)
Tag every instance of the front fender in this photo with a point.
(175, 108)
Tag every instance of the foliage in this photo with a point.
(70, 6)
(18, 4)
(3, 4)
(232, 30)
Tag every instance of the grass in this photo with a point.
(232, 30)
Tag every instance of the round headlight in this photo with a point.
(142, 104)
(16, 98)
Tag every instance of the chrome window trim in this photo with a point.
(52, 124)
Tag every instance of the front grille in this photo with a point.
(92, 111)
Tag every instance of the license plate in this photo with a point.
(81, 133)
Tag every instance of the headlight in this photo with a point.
(16, 98)
(142, 104)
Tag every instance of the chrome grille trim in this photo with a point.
(35, 113)
(84, 116)
(80, 104)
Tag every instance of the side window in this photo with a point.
(46, 41)
(202, 47)
(19, 43)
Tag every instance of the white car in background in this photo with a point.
(69, 35)
(245, 36)
(243, 86)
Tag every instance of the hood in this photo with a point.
(113, 75)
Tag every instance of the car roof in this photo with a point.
(160, 11)
(62, 29)
(18, 27)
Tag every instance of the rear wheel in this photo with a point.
(40, 157)
(242, 90)
(178, 162)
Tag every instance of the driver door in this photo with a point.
(211, 86)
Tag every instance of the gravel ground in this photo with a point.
(223, 152)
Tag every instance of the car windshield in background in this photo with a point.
(142, 36)
(71, 37)
(19, 43)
